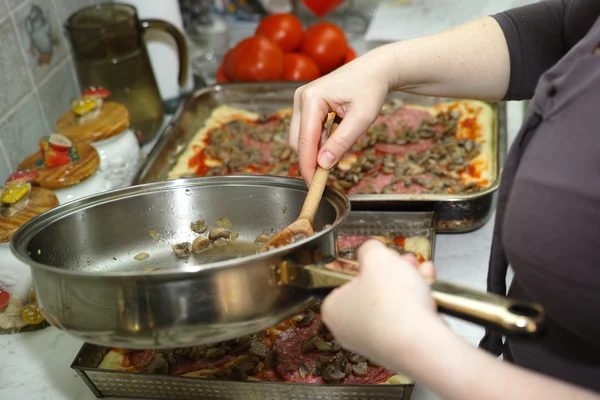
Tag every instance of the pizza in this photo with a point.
(409, 149)
(299, 350)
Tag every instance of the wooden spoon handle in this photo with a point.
(317, 185)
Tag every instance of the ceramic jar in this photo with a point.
(18, 307)
(108, 131)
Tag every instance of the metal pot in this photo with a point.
(90, 284)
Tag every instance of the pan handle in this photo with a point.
(513, 318)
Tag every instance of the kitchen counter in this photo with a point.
(36, 365)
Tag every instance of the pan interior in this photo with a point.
(108, 235)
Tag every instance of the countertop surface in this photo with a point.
(36, 365)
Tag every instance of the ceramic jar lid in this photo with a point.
(92, 119)
(22, 202)
(60, 163)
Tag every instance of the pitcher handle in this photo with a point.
(179, 39)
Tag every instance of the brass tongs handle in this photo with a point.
(512, 317)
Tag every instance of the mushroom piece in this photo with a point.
(248, 364)
(332, 374)
(309, 344)
(219, 233)
(182, 249)
(307, 319)
(221, 242)
(262, 238)
(360, 369)
(259, 349)
(158, 365)
(272, 359)
(236, 373)
(303, 370)
(198, 226)
(199, 244)
(214, 353)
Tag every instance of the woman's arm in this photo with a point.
(457, 371)
(471, 61)
(387, 314)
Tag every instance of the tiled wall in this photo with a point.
(37, 78)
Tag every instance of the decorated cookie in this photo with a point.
(59, 163)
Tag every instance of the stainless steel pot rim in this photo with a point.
(25, 233)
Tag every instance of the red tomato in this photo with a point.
(257, 59)
(325, 43)
(322, 7)
(284, 29)
(299, 67)
(220, 75)
(228, 64)
(350, 55)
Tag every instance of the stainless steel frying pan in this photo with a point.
(90, 284)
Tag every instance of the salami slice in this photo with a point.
(346, 243)
(402, 119)
(141, 359)
(289, 347)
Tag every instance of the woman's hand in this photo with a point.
(355, 92)
(469, 61)
(388, 306)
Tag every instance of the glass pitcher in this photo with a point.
(109, 51)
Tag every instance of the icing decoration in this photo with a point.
(85, 105)
(57, 150)
(89, 105)
(4, 296)
(22, 176)
(94, 91)
(15, 195)
(14, 192)
(32, 314)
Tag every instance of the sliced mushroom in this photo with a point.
(236, 373)
(272, 359)
(199, 244)
(259, 349)
(182, 249)
(323, 345)
(360, 369)
(219, 233)
(196, 353)
(214, 353)
(158, 365)
(332, 375)
(198, 226)
(221, 242)
(248, 364)
(303, 370)
(309, 344)
(262, 238)
(307, 319)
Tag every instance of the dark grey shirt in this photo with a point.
(548, 218)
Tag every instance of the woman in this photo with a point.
(548, 217)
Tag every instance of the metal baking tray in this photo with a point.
(108, 383)
(454, 213)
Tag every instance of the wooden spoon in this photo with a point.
(302, 227)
